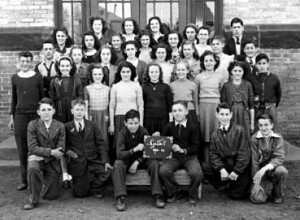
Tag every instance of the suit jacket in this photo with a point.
(230, 49)
(41, 142)
(91, 148)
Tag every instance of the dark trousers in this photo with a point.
(237, 189)
(119, 176)
(192, 166)
(20, 130)
(93, 181)
(43, 180)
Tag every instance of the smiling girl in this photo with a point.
(62, 42)
(116, 42)
(147, 42)
(156, 27)
(203, 36)
(98, 27)
(174, 39)
(130, 29)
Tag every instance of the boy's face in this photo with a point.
(250, 50)
(46, 112)
(265, 126)
(224, 116)
(262, 66)
(25, 63)
(217, 46)
(179, 112)
(237, 29)
(48, 51)
(78, 112)
(132, 124)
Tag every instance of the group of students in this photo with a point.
(207, 97)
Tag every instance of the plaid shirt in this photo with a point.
(98, 97)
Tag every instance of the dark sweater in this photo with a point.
(188, 139)
(158, 101)
(26, 94)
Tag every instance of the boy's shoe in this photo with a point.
(176, 196)
(192, 201)
(120, 206)
(159, 202)
(66, 184)
(30, 206)
(278, 200)
(22, 186)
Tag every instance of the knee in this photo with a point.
(153, 165)
(164, 171)
(119, 164)
(196, 175)
(33, 168)
(281, 171)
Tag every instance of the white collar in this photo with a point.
(183, 123)
(226, 127)
(77, 123)
(48, 125)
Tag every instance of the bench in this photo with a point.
(141, 178)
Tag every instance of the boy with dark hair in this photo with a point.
(46, 142)
(267, 161)
(89, 162)
(250, 49)
(266, 88)
(185, 152)
(130, 145)
(228, 168)
(27, 91)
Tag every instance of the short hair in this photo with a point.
(166, 38)
(94, 18)
(76, 48)
(265, 116)
(244, 44)
(78, 101)
(132, 42)
(125, 64)
(223, 105)
(26, 54)
(48, 41)
(262, 56)
(147, 77)
(181, 102)
(45, 101)
(190, 25)
(164, 46)
(204, 28)
(131, 114)
(239, 64)
(93, 66)
(73, 66)
(97, 56)
(69, 40)
(236, 20)
(116, 35)
(96, 41)
(219, 38)
(161, 28)
(187, 42)
(209, 53)
(148, 33)
(135, 25)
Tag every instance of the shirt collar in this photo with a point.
(272, 134)
(77, 123)
(226, 127)
(183, 123)
(44, 62)
(48, 125)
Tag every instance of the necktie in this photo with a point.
(238, 41)
(179, 129)
(251, 62)
(80, 127)
(224, 130)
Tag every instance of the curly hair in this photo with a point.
(187, 42)
(90, 69)
(97, 56)
(147, 77)
(96, 41)
(116, 35)
(148, 33)
(164, 46)
(239, 64)
(161, 28)
(69, 40)
(209, 53)
(130, 42)
(73, 66)
(190, 26)
(94, 18)
(136, 28)
(125, 64)
(180, 39)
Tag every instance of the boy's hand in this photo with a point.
(139, 147)
(233, 176)
(224, 175)
(11, 124)
(57, 153)
(107, 166)
(72, 154)
(257, 177)
(178, 149)
(157, 133)
(133, 167)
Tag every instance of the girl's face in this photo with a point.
(181, 71)
(217, 46)
(116, 42)
(128, 27)
(125, 74)
(65, 67)
(188, 51)
(89, 42)
(209, 63)
(77, 55)
(105, 56)
(154, 25)
(61, 37)
(237, 73)
(130, 50)
(97, 26)
(97, 75)
(145, 41)
(173, 40)
(190, 34)
(203, 36)
(161, 54)
(154, 74)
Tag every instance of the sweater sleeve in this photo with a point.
(278, 155)
(224, 94)
(169, 97)
(86, 94)
(79, 89)
(139, 97)
(194, 142)
(41, 86)
(278, 92)
(113, 97)
(13, 96)
(250, 96)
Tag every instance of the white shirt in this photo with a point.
(183, 123)
(238, 46)
(226, 127)
(77, 124)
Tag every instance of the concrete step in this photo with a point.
(9, 163)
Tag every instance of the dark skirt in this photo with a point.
(241, 116)
(155, 124)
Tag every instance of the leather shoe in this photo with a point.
(192, 201)
(66, 184)
(159, 202)
(278, 200)
(22, 186)
(176, 196)
(98, 195)
(120, 206)
(30, 206)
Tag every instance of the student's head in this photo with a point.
(61, 37)
(182, 69)
(96, 73)
(90, 41)
(174, 39)
(203, 34)
(65, 67)
(116, 41)
(145, 39)
(179, 110)
(237, 69)
(209, 61)
(132, 120)
(161, 52)
(237, 27)
(48, 49)
(130, 26)
(25, 60)
(155, 25)
(125, 72)
(224, 113)
(217, 44)
(46, 109)
(77, 54)
(78, 109)
(188, 50)
(130, 49)
(154, 73)
(262, 63)
(250, 48)
(190, 32)
(97, 25)
(265, 123)
(105, 55)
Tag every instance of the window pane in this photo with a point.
(175, 17)
(163, 10)
(67, 17)
(210, 16)
(77, 21)
(150, 11)
(127, 10)
(199, 14)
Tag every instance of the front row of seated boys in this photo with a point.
(231, 157)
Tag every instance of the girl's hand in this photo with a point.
(252, 128)
(111, 130)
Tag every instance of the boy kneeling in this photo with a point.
(46, 142)
(129, 155)
(267, 159)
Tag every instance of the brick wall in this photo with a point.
(26, 13)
